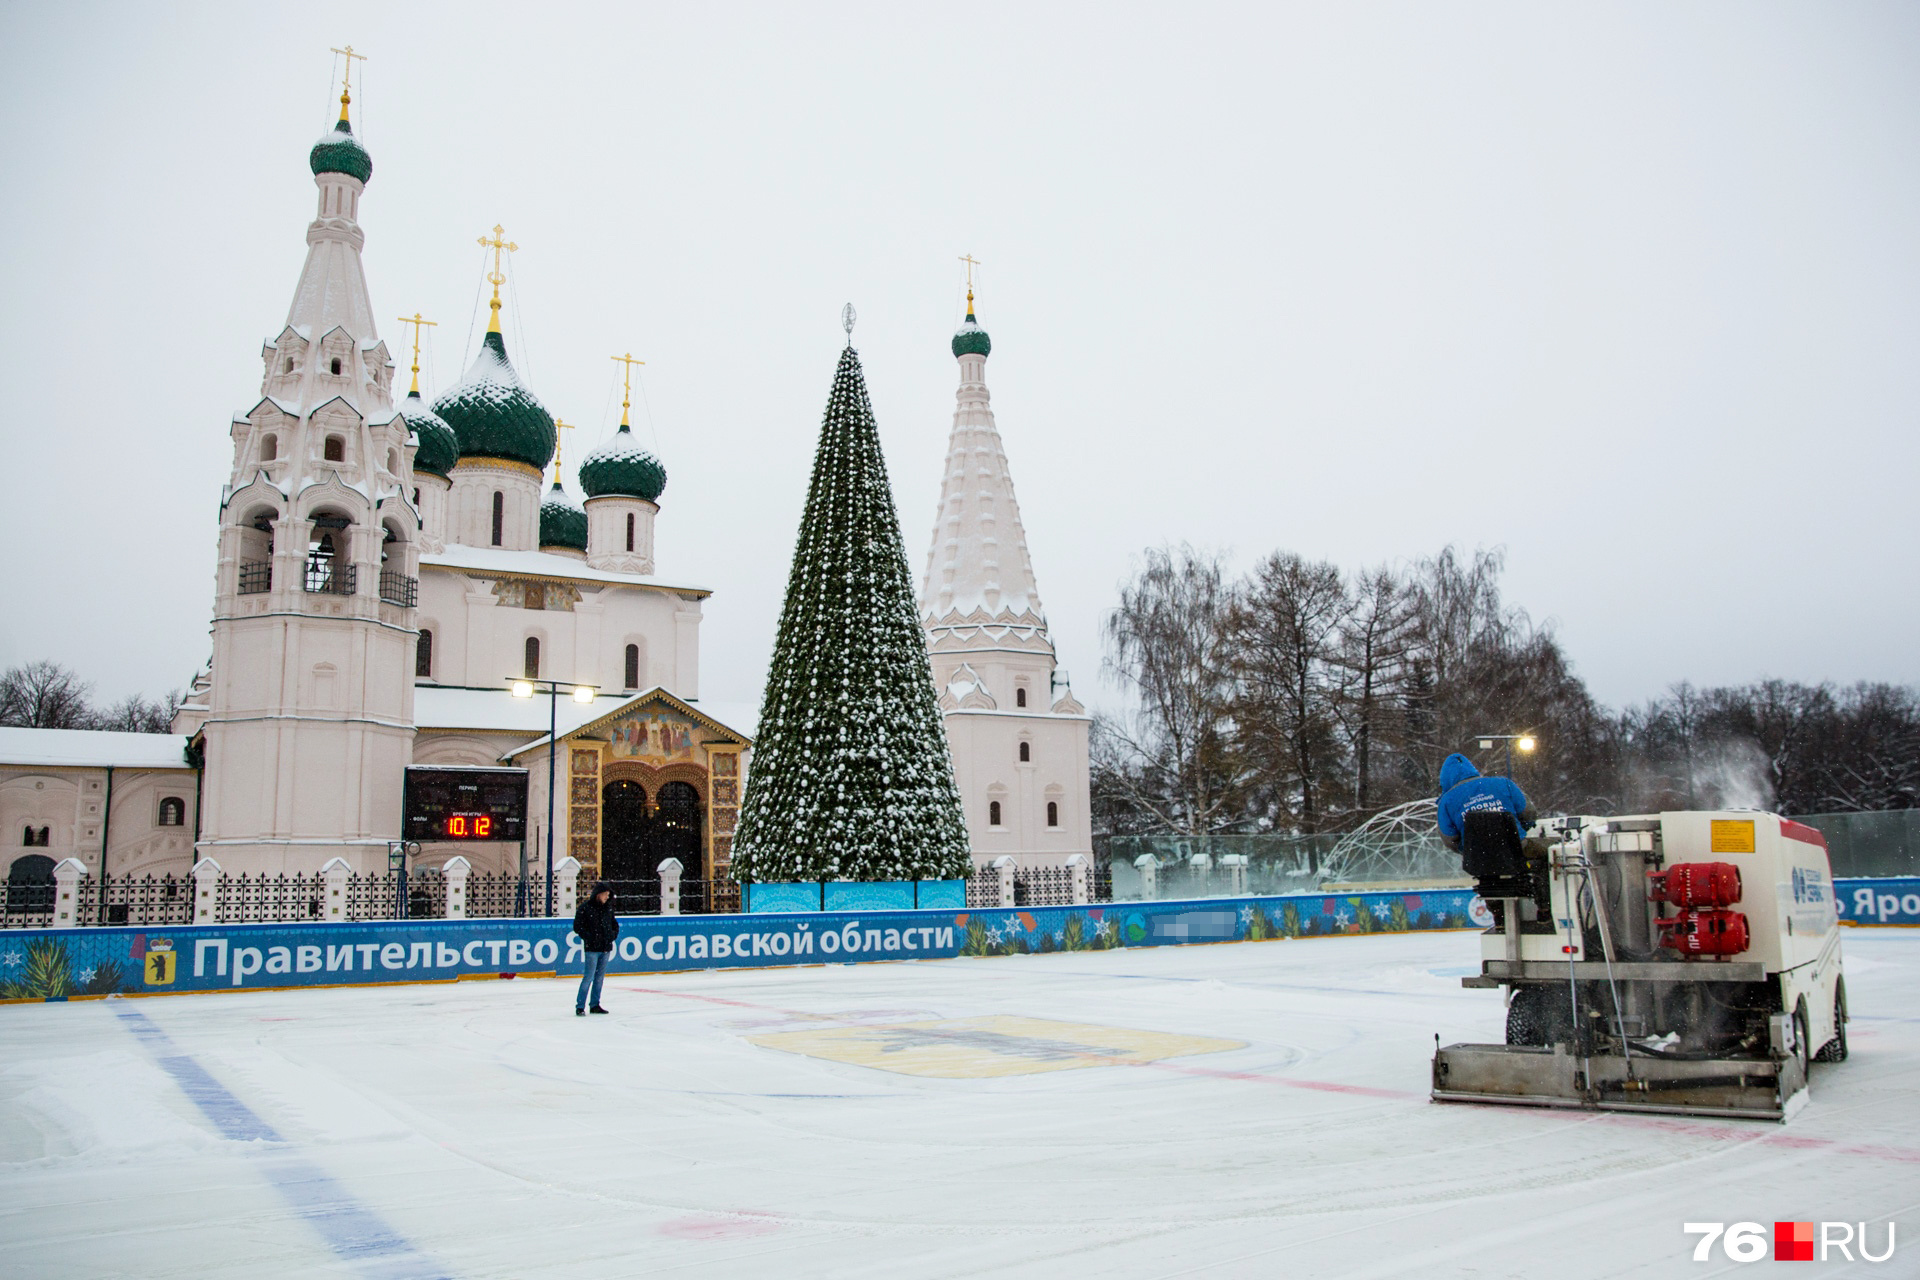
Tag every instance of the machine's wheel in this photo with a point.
(1802, 1036)
(1532, 1017)
(1835, 1050)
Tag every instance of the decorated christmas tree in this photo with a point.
(851, 776)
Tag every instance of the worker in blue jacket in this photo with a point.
(1464, 790)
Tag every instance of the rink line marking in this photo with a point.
(1215, 1073)
(352, 1230)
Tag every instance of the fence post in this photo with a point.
(1200, 874)
(670, 887)
(456, 872)
(566, 890)
(206, 891)
(1004, 865)
(1235, 865)
(66, 892)
(1077, 869)
(334, 875)
(1149, 868)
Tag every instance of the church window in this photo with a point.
(289, 368)
(1053, 813)
(269, 448)
(629, 530)
(393, 463)
(423, 656)
(499, 515)
(173, 812)
(993, 813)
(336, 366)
(1026, 752)
(416, 496)
(36, 837)
(336, 449)
(633, 666)
(533, 658)
(1020, 697)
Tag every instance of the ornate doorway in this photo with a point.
(623, 850)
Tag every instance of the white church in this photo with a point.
(386, 568)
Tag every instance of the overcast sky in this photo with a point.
(1630, 291)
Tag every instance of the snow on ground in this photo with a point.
(1246, 1109)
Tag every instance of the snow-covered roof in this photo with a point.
(540, 564)
(93, 748)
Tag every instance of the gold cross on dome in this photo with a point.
(499, 244)
(971, 262)
(416, 322)
(558, 427)
(626, 392)
(346, 81)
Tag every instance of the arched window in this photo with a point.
(269, 448)
(1053, 813)
(499, 515)
(533, 657)
(30, 883)
(173, 812)
(1026, 752)
(336, 448)
(629, 530)
(289, 368)
(1020, 700)
(423, 656)
(633, 666)
(993, 813)
(35, 837)
(336, 366)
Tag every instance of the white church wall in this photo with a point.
(470, 504)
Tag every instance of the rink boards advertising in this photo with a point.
(59, 964)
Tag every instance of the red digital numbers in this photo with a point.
(470, 826)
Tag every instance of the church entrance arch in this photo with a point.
(648, 815)
(676, 828)
(623, 841)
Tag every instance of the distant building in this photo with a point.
(1019, 738)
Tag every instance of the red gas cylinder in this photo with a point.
(1705, 933)
(1696, 884)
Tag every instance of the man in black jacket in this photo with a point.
(595, 924)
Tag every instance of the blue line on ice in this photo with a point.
(352, 1230)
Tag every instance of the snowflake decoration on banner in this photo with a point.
(1381, 910)
(993, 936)
(1102, 929)
(13, 959)
(1246, 915)
(1342, 918)
(86, 975)
(1012, 926)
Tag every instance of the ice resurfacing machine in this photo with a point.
(1674, 962)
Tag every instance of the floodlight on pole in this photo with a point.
(523, 688)
(584, 693)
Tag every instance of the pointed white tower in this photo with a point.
(309, 721)
(1019, 739)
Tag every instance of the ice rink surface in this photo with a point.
(1245, 1109)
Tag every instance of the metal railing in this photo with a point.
(256, 577)
(325, 578)
(398, 588)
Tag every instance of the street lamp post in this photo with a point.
(523, 687)
(1525, 741)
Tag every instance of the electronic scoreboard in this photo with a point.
(464, 804)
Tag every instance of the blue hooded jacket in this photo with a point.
(1463, 790)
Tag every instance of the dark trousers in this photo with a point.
(591, 977)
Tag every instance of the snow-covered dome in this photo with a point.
(620, 467)
(439, 447)
(970, 339)
(338, 151)
(562, 522)
(493, 415)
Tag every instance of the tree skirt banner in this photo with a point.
(60, 964)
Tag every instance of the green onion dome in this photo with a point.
(562, 522)
(439, 447)
(970, 339)
(621, 468)
(494, 416)
(340, 152)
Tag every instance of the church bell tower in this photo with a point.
(309, 723)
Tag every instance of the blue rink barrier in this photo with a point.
(61, 964)
(1891, 900)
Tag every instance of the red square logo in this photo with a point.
(1793, 1242)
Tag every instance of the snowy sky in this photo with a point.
(1632, 291)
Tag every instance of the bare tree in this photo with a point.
(135, 714)
(1285, 631)
(44, 695)
(1377, 638)
(1166, 641)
